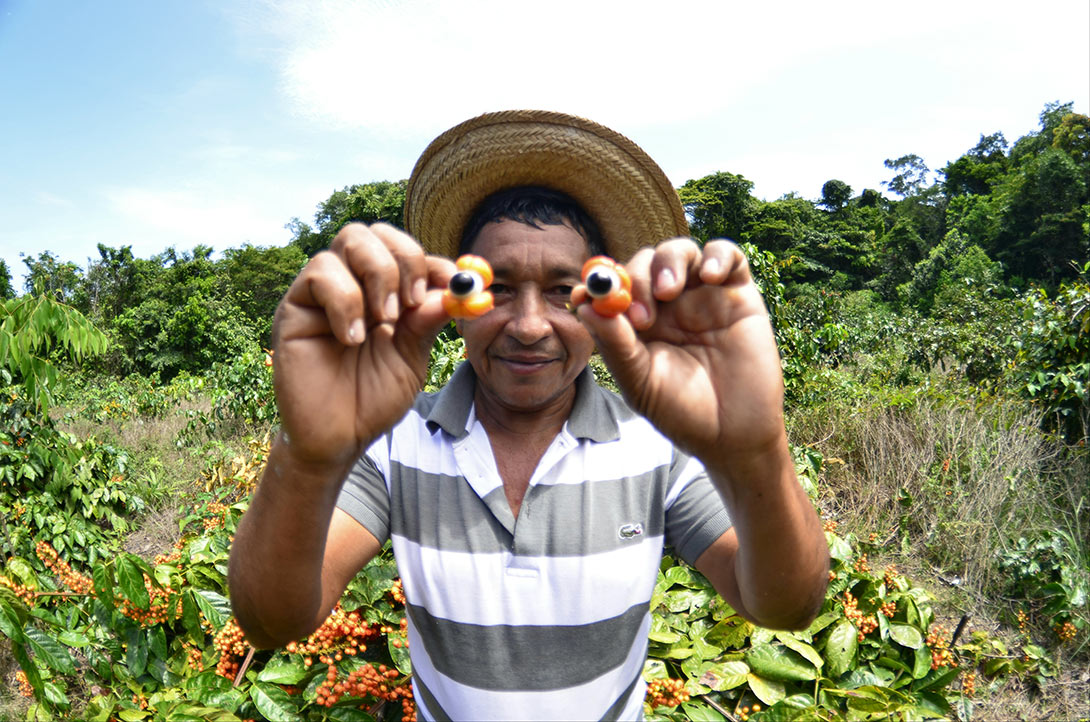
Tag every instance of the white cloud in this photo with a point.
(187, 217)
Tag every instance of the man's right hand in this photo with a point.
(352, 338)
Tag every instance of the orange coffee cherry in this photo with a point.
(608, 286)
(467, 294)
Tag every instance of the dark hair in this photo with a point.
(533, 205)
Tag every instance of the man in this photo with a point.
(528, 508)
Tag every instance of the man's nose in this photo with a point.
(529, 323)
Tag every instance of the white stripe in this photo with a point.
(690, 471)
(527, 590)
(614, 459)
(585, 701)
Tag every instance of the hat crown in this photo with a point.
(613, 179)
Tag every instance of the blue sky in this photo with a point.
(183, 122)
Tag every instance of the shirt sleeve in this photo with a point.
(364, 495)
(695, 513)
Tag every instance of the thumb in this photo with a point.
(624, 353)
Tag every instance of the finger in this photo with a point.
(675, 262)
(411, 264)
(324, 298)
(367, 256)
(723, 263)
(616, 339)
(642, 312)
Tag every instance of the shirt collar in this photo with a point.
(592, 417)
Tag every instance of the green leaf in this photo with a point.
(136, 655)
(133, 715)
(282, 670)
(399, 655)
(809, 653)
(700, 712)
(54, 694)
(157, 641)
(49, 651)
(10, 623)
(724, 676)
(840, 648)
(776, 662)
(769, 691)
(131, 581)
(215, 607)
(906, 635)
(349, 714)
(273, 703)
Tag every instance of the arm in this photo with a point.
(695, 354)
(352, 338)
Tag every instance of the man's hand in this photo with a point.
(695, 353)
(352, 339)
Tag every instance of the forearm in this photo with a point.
(779, 571)
(275, 573)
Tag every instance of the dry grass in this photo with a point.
(954, 480)
(946, 486)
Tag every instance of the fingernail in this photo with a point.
(712, 265)
(391, 307)
(355, 330)
(638, 314)
(420, 291)
(666, 278)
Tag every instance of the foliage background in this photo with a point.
(935, 342)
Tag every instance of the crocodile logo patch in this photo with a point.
(629, 531)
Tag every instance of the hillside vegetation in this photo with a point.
(935, 343)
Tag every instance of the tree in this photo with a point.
(49, 275)
(6, 291)
(367, 203)
(911, 175)
(835, 194)
(974, 172)
(258, 277)
(718, 205)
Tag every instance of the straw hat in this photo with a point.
(612, 178)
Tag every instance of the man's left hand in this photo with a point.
(695, 352)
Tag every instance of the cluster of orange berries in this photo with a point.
(363, 682)
(78, 583)
(743, 714)
(865, 623)
(888, 609)
(968, 684)
(941, 656)
(666, 692)
(403, 631)
(159, 608)
(830, 525)
(20, 590)
(25, 688)
(1023, 622)
(192, 656)
(231, 644)
(139, 700)
(889, 576)
(1066, 631)
(861, 564)
(397, 591)
(342, 633)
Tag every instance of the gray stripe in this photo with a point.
(690, 529)
(364, 497)
(532, 658)
(443, 512)
(421, 691)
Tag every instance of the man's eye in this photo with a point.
(498, 289)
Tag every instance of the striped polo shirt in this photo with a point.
(543, 616)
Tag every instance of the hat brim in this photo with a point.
(613, 179)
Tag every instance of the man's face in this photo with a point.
(529, 349)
